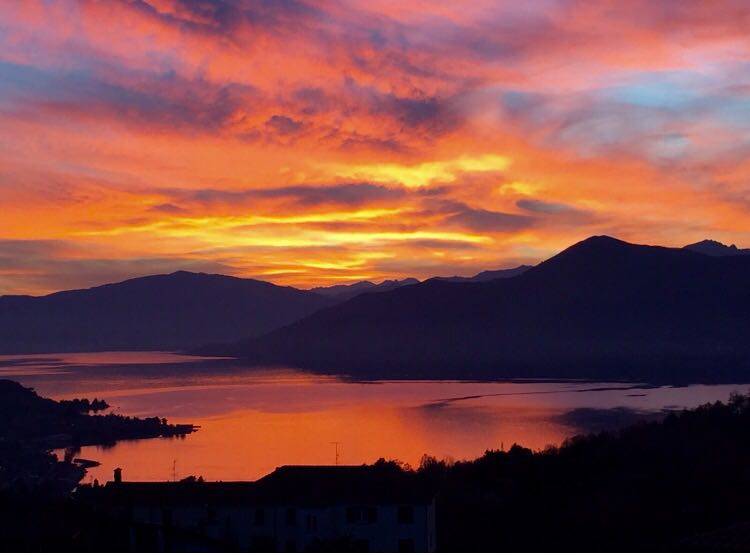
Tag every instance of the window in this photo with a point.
(361, 515)
(406, 514)
(312, 523)
(291, 516)
(260, 517)
(406, 545)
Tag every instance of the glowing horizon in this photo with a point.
(311, 143)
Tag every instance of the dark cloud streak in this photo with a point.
(347, 194)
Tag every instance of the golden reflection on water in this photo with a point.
(250, 443)
(255, 420)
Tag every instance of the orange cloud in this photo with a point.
(320, 142)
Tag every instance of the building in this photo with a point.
(295, 508)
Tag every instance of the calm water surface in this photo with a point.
(253, 420)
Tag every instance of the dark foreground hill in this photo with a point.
(31, 425)
(602, 309)
(27, 418)
(172, 311)
(677, 485)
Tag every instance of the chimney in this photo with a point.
(118, 475)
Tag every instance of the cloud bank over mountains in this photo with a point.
(312, 143)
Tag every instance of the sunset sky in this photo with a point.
(310, 143)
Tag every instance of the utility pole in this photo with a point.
(336, 443)
(174, 470)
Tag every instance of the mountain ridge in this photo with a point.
(347, 291)
(488, 275)
(71, 321)
(163, 311)
(715, 248)
(600, 309)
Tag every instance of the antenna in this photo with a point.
(336, 443)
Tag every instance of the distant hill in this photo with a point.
(714, 248)
(601, 309)
(173, 311)
(346, 292)
(488, 275)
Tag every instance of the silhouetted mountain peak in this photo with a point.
(715, 248)
(401, 282)
(590, 261)
(185, 278)
(599, 242)
(187, 273)
(364, 284)
(592, 252)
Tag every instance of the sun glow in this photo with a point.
(425, 173)
(288, 142)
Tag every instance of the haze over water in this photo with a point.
(253, 420)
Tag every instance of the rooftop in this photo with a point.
(287, 485)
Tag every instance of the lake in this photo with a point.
(253, 420)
